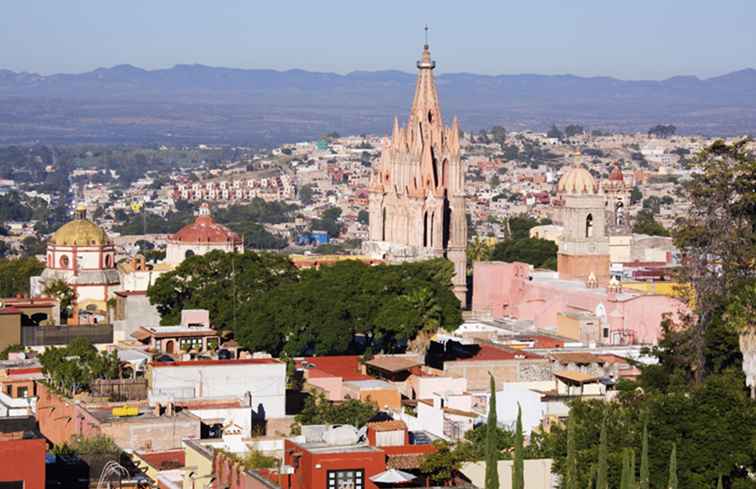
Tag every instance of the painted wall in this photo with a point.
(221, 380)
(23, 460)
(505, 290)
(537, 473)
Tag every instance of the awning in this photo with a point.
(392, 476)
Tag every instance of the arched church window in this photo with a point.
(108, 261)
(589, 226)
(425, 228)
(619, 214)
(383, 227)
(430, 116)
(64, 261)
(188, 254)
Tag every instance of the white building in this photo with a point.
(260, 381)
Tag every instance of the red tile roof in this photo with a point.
(345, 366)
(205, 230)
(169, 459)
(490, 352)
(217, 363)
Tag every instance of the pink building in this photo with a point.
(511, 289)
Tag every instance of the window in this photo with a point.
(186, 344)
(64, 261)
(22, 392)
(606, 332)
(589, 226)
(346, 479)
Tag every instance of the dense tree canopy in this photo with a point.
(15, 275)
(645, 223)
(71, 369)
(220, 282)
(324, 310)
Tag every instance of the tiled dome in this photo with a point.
(205, 230)
(80, 232)
(577, 180)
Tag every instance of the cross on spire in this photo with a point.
(426, 35)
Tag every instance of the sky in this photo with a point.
(637, 39)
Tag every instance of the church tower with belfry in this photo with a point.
(584, 248)
(417, 190)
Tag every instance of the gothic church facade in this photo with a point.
(416, 192)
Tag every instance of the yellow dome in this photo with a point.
(80, 232)
(577, 180)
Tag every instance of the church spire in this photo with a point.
(425, 107)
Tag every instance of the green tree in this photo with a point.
(672, 481)
(15, 275)
(71, 369)
(318, 410)
(571, 478)
(636, 195)
(518, 467)
(59, 290)
(625, 475)
(33, 246)
(540, 253)
(492, 453)
(644, 468)
(222, 283)
(322, 310)
(717, 237)
(440, 466)
(602, 476)
(645, 223)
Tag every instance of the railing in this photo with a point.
(63, 335)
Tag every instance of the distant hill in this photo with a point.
(196, 103)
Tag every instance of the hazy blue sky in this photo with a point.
(629, 39)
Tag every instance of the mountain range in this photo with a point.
(196, 103)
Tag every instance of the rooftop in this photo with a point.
(393, 363)
(218, 363)
(490, 352)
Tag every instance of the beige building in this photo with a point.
(537, 473)
(416, 192)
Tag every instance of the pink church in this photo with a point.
(623, 317)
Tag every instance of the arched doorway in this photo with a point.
(170, 346)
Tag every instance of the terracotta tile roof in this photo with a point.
(345, 366)
(490, 352)
(217, 363)
(395, 425)
(205, 230)
(169, 459)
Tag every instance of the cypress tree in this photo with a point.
(518, 468)
(719, 482)
(492, 449)
(625, 474)
(632, 482)
(672, 484)
(602, 479)
(644, 470)
(572, 475)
